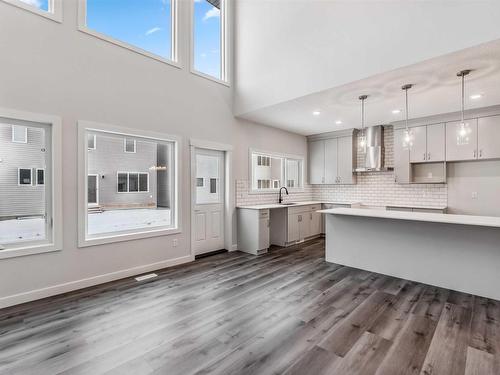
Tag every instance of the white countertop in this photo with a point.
(296, 204)
(485, 221)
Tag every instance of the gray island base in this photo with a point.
(458, 252)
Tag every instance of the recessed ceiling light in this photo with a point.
(338, 122)
(396, 111)
(476, 96)
(316, 113)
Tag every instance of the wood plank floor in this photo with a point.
(287, 312)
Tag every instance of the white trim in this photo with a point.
(83, 241)
(82, 26)
(25, 134)
(53, 180)
(225, 45)
(19, 176)
(54, 13)
(36, 176)
(209, 145)
(125, 146)
(53, 290)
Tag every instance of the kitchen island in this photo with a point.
(459, 252)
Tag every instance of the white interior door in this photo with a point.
(93, 190)
(208, 200)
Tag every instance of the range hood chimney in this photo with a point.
(374, 157)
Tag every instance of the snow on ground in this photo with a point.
(108, 221)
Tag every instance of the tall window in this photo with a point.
(209, 38)
(131, 193)
(46, 8)
(146, 26)
(271, 171)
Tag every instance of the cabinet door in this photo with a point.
(345, 160)
(436, 142)
(316, 226)
(418, 152)
(293, 227)
(488, 137)
(317, 162)
(401, 159)
(331, 155)
(263, 234)
(304, 225)
(454, 151)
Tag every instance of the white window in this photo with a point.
(40, 176)
(91, 141)
(51, 9)
(30, 203)
(269, 171)
(209, 56)
(132, 182)
(136, 203)
(129, 145)
(19, 134)
(147, 27)
(25, 176)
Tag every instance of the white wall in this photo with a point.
(52, 68)
(287, 49)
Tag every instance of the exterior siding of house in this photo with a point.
(25, 200)
(109, 158)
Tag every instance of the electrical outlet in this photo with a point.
(474, 195)
(175, 242)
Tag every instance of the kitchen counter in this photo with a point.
(457, 252)
(296, 204)
(487, 221)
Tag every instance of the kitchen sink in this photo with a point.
(288, 204)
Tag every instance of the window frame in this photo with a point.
(19, 176)
(105, 238)
(284, 175)
(128, 182)
(36, 176)
(174, 61)
(125, 146)
(54, 13)
(226, 43)
(53, 201)
(25, 135)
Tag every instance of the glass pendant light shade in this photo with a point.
(362, 135)
(464, 130)
(408, 136)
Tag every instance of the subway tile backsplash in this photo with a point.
(375, 188)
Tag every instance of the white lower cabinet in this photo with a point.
(303, 222)
(253, 230)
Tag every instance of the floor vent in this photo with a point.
(146, 277)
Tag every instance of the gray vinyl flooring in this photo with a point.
(287, 312)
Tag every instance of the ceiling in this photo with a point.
(436, 90)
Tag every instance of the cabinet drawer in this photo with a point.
(298, 209)
(315, 207)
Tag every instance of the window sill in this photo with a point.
(130, 47)
(28, 250)
(56, 17)
(106, 239)
(210, 78)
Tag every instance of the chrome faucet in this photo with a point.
(281, 198)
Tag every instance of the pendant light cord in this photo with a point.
(406, 107)
(463, 96)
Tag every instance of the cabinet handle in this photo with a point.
(424, 156)
(429, 156)
(480, 153)
(299, 218)
(311, 216)
(474, 154)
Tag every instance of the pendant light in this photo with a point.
(362, 136)
(408, 136)
(464, 130)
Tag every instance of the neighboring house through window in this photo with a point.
(40, 176)
(19, 134)
(271, 171)
(91, 141)
(132, 182)
(25, 176)
(129, 145)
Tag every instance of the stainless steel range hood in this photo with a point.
(374, 157)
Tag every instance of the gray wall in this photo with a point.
(54, 68)
(474, 187)
(109, 158)
(15, 200)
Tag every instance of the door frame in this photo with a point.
(96, 190)
(229, 206)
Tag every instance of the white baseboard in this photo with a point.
(36, 294)
(234, 247)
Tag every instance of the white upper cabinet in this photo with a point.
(428, 144)
(345, 160)
(436, 142)
(317, 162)
(331, 156)
(488, 137)
(401, 158)
(464, 151)
(418, 151)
